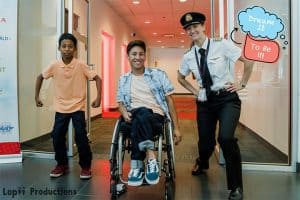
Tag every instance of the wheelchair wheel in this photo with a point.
(114, 178)
(171, 167)
(169, 191)
(113, 175)
(114, 163)
(116, 189)
(113, 190)
(170, 155)
(116, 186)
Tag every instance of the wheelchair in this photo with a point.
(165, 157)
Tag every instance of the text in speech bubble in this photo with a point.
(261, 50)
(260, 23)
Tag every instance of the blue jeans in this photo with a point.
(59, 138)
(144, 127)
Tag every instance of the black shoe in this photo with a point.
(199, 167)
(236, 194)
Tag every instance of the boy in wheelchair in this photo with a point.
(144, 99)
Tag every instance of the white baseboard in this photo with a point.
(13, 158)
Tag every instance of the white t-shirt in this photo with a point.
(141, 95)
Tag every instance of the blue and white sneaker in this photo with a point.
(152, 172)
(136, 177)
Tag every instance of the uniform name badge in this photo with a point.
(202, 95)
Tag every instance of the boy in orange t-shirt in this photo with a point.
(69, 77)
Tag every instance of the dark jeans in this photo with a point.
(223, 108)
(144, 126)
(59, 138)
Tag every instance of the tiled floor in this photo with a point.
(31, 181)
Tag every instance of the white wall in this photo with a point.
(103, 18)
(169, 59)
(37, 44)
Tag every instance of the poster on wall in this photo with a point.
(9, 120)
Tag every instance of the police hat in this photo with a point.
(192, 18)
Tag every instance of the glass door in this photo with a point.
(262, 30)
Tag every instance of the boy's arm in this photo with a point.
(125, 114)
(38, 85)
(174, 118)
(97, 101)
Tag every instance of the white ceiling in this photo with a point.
(164, 16)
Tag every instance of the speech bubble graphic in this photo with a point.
(260, 23)
(261, 50)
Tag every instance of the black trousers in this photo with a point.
(145, 125)
(59, 138)
(224, 108)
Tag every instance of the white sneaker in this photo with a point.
(152, 172)
(136, 177)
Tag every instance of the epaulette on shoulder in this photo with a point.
(217, 39)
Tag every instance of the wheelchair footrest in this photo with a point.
(121, 188)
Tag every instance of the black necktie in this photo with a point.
(205, 75)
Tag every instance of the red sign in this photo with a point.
(261, 50)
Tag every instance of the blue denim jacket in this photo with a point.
(159, 84)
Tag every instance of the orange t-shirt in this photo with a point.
(69, 84)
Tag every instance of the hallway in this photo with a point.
(253, 148)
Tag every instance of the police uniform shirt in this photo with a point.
(220, 53)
